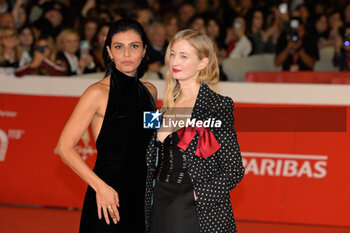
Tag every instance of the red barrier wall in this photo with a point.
(296, 177)
(299, 77)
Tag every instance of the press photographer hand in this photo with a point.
(295, 46)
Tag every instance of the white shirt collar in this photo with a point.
(73, 62)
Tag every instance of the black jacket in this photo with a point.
(340, 60)
(62, 58)
(214, 177)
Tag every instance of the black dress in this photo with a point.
(174, 207)
(121, 146)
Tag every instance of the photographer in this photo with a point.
(76, 59)
(240, 46)
(156, 48)
(296, 50)
(341, 57)
(44, 60)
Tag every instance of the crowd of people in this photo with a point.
(64, 37)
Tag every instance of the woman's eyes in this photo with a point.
(182, 56)
(134, 46)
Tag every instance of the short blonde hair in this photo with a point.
(204, 48)
(63, 35)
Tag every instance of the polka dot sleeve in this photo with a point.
(228, 158)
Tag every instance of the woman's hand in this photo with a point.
(82, 65)
(107, 202)
(89, 60)
(37, 59)
(88, 5)
(195, 197)
(84, 62)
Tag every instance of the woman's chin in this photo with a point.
(128, 71)
(177, 76)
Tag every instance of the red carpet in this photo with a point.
(15, 219)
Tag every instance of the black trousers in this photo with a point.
(174, 209)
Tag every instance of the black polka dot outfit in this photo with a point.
(214, 177)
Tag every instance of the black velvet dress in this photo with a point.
(121, 146)
(174, 207)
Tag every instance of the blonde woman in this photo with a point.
(68, 47)
(11, 53)
(192, 169)
(44, 60)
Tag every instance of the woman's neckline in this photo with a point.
(125, 76)
(162, 142)
(119, 75)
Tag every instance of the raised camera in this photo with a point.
(293, 35)
(347, 40)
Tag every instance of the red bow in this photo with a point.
(207, 143)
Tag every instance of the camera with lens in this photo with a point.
(293, 30)
(347, 40)
(293, 36)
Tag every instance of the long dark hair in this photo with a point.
(124, 25)
(32, 47)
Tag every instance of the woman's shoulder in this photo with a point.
(151, 88)
(149, 85)
(223, 102)
(97, 90)
(219, 99)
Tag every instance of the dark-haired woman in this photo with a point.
(27, 39)
(114, 201)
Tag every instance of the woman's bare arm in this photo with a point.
(74, 130)
(83, 114)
